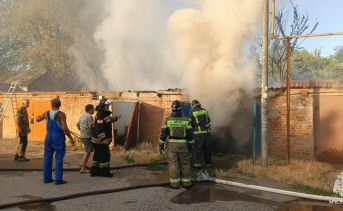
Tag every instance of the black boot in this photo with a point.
(105, 172)
(95, 171)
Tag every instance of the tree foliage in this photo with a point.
(313, 66)
(277, 49)
(36, 34)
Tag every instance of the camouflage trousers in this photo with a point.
(21, 146)
(179, 166)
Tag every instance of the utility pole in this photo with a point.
(264, 91)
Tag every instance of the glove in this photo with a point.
(161, 148)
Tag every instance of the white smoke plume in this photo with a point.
(87, 54)
(134, 40)
(147, 46)
(210, 41)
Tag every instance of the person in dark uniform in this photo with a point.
(55, 142)
(200, 121)
(101, 138)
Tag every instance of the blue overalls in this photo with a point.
(54, 141)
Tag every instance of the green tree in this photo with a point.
(37, 35)
(313, 66)
(277, 49)
(338, 56)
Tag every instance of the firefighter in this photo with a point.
(101, 138)
(200, 121)
(179, 131)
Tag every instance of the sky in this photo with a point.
(329, 15)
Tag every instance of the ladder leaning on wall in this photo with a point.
(7, 99)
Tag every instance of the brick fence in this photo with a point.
(316, 117)
(155, 107)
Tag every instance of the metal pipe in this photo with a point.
(289, 68)
(308, 35)
(264, 91)
(288, 100)
(254, 134)
(296, 36)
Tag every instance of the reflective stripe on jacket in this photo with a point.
(200, 121)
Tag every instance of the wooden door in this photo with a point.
(38, 129)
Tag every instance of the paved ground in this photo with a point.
(19, 186)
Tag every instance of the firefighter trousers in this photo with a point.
(178, 159)
(101, 160)
(202, 149)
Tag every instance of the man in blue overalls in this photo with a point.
(55, 141)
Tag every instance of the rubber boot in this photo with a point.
(175, 185)
(94, 171)
(105, 172)
(187, 184)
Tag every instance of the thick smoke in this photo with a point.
(210, 42)
(134, 40)
(88, 55)
(149, 46)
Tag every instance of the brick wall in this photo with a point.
(301, 124)
(155, 107)
(72, 104)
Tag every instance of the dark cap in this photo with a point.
(56, 102)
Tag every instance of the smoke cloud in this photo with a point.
(210, 42)
(135, 43)
(88, 55)
(151, 45)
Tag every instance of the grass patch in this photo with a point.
(315, 191)
(146, 152)
(212, 173)
(155, 167)
(220, 172)
(246, 174)
(305, 173)
(220, 158)
(129, 159)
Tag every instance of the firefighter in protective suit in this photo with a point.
(101, 138)
(179, 130)
(200, 121)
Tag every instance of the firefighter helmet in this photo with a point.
(104, 102)
(195, 103)
(176, 106)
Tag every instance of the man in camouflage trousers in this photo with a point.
(179, 131)
(23, 128)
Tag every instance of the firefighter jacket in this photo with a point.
(178, 129)
(103, 126)
(200, 121)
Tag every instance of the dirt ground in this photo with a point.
(226, 169)
(35, 149)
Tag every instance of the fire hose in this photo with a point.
(77, 169)
(77, 195)
(203, 176)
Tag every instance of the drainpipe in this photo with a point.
(264, 91)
